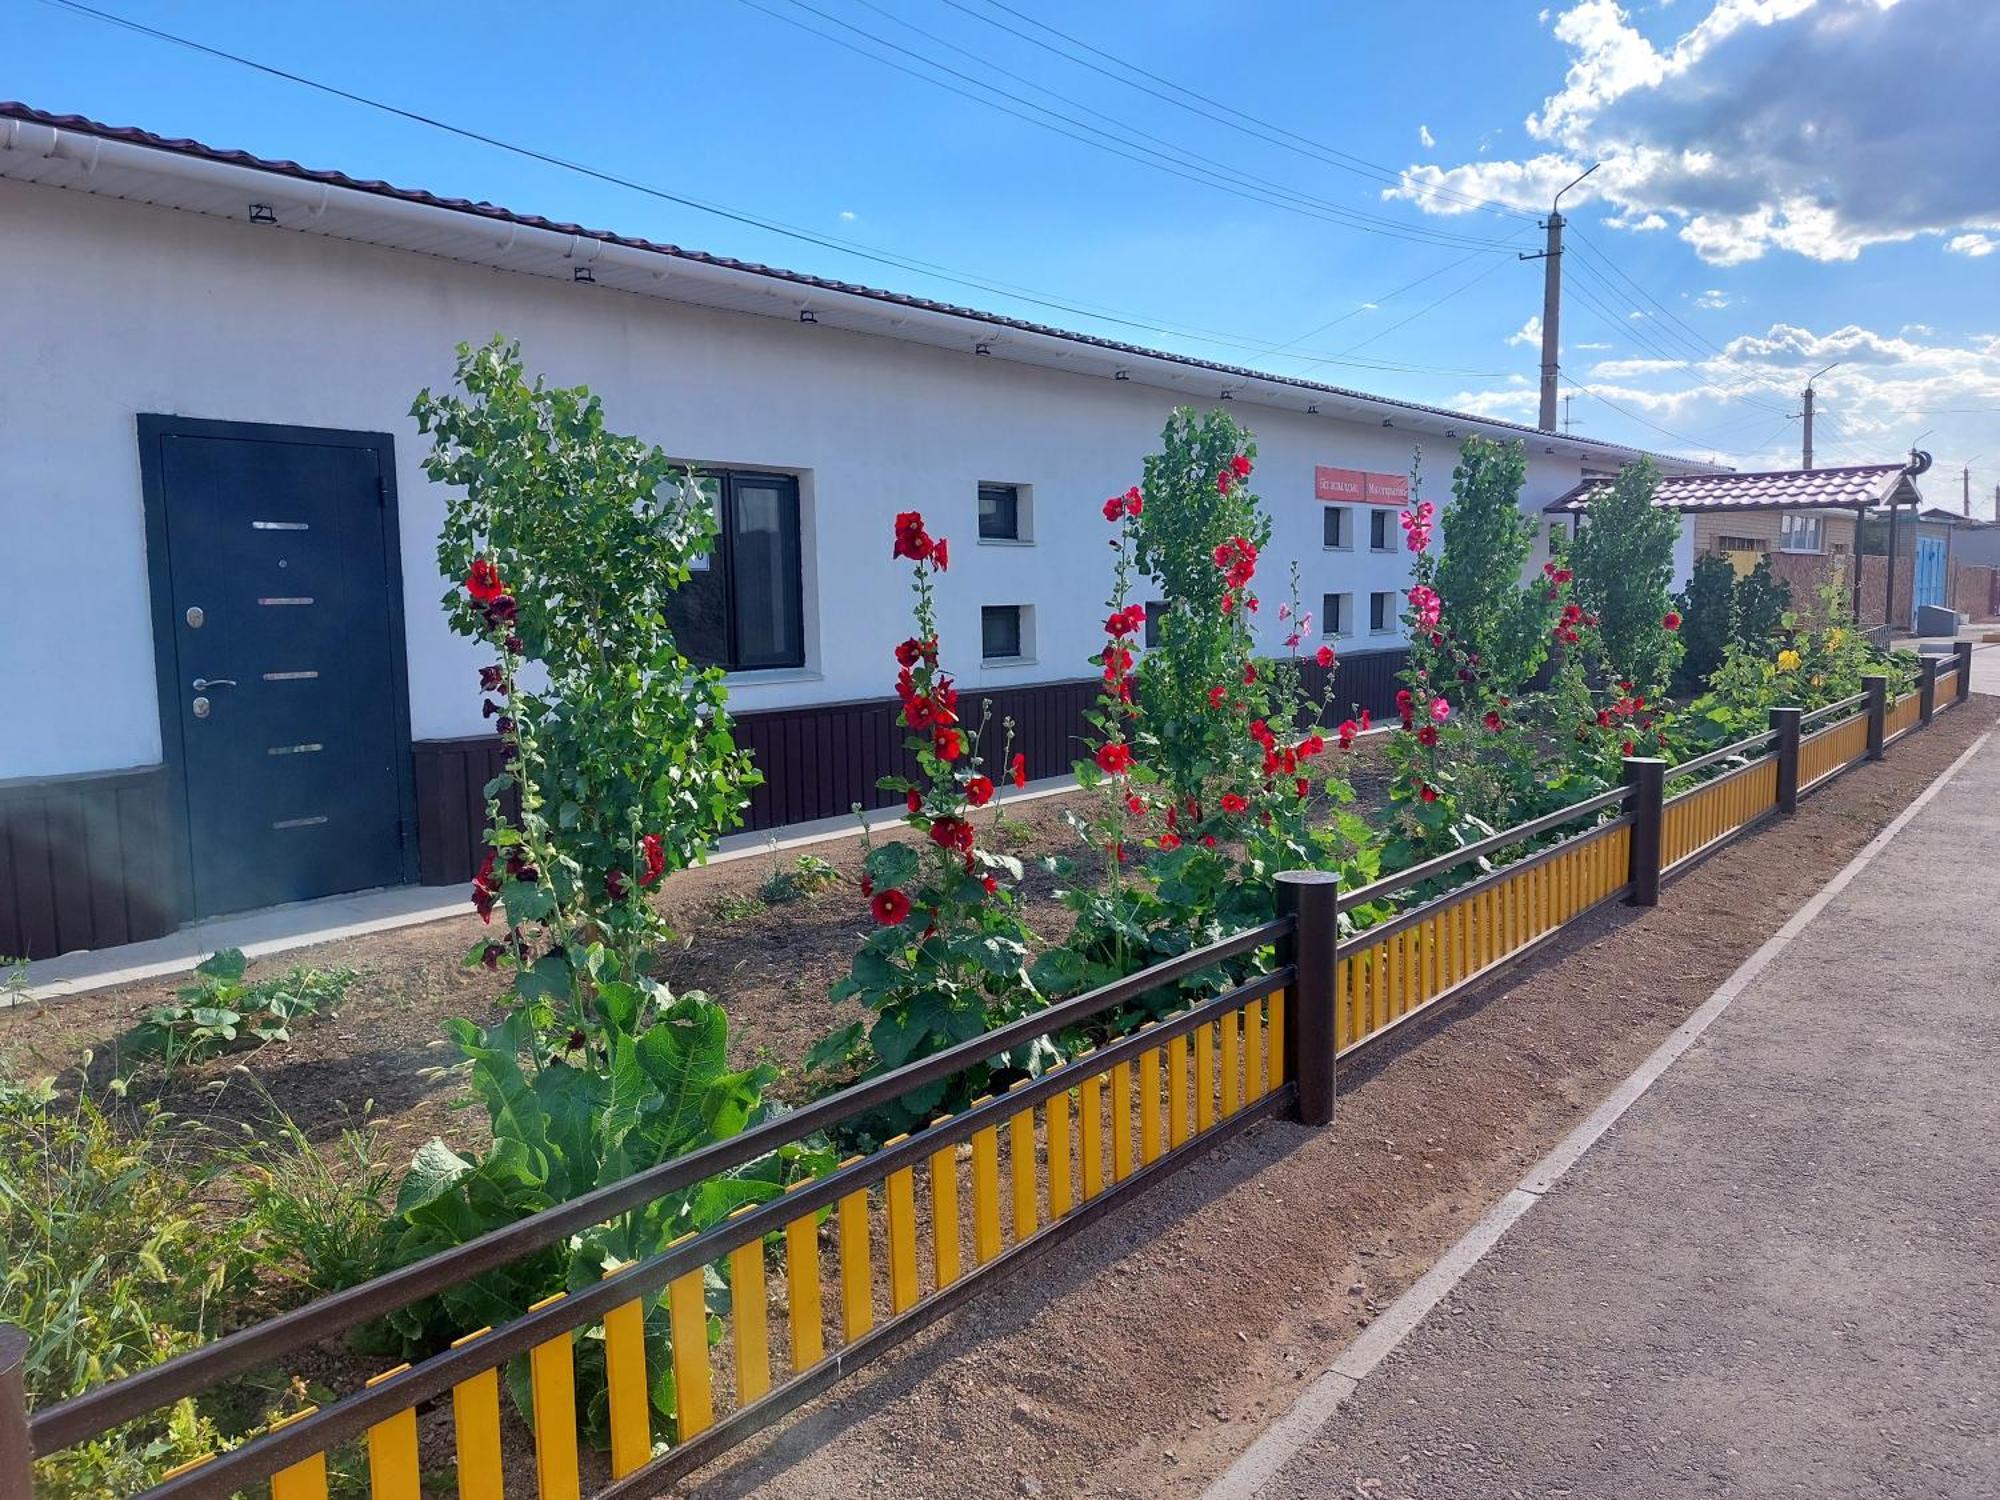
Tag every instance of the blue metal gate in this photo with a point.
(1929, 576)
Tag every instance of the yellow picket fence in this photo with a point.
(1705, 815)
(1830, 750)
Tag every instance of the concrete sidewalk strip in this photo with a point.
(1281, 1461)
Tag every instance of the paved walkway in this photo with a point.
(1778, 1274)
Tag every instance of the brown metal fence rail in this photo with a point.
(837, 1270)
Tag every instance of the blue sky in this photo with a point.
(1786, 182)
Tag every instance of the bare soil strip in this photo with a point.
(1142, 1357)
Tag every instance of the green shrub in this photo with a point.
(319, 1225)
(1623, 558)
(1708, 620)
(222, 1011)
(1762, 601)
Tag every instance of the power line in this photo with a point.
(1427, 307)
(1232, 115)
(1646, 339)
(1174, 160)
(738, 216)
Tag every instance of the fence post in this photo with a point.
(1786, 722)
(17, 1450)
(1312, 899)
(1927, 671)
(1877, 688)
(1647, 777)
(1963, 651)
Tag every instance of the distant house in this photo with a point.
(1804, 520)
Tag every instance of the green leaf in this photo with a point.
(226, 964)
(434, 1171)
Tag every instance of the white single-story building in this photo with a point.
(226, 675)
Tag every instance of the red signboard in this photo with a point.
(1356, 487)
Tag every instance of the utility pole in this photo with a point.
(1806, 456)
(1965, 483)
(1551, 258)
(1569, 397)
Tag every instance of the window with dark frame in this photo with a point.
(1333, 614)
(1338, 526)
(1381, 611)
(1378, 531)
(743, 611)
(1742, 544)
(1000, 632)
(999, 513)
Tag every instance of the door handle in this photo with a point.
(203, 684)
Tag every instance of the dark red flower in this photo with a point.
(952, 833)
(1427, 735)
(500, 610)
(483, 582)
(515, 645)
(867, 885)
(484, 891)
(614, 885)
(491, 681)
(1249, 674)
(1428, 793)
(890, 907)
(1672, 619)
(491, 954)
(979, 791)
(654, 853)
(1492, 720)
(914, 800)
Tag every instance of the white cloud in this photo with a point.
(1765, 125)
(1590, 346)
(1713, 300)
(1425, 138)
(1530, 333)
(1974, 245)
(848, 216)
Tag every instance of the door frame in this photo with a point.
(153, 429)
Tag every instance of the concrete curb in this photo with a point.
(1296, 1427)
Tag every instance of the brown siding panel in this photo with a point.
(82, 863)
(820, 759)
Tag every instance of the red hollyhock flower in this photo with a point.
(1492, 720)
(914, 800)
(483, 889)
(1136, 806)
(483, 582)
(1348, 730)
(614, 885)
(1672, 619)
(490, 955)
(1114, 508)
(1170, 841)
(912, 541)
(952, 833)
(500, 610)
(946, 743)
(1135, 503)
(940, 554)
(490, 681)
(1427, 735)
(1324, 656)
(867, 885)
(1367, 718)
(1304, 787)
(890, 907)
(1249, 674)
(989, 884)
(1019, 770)
(1628, 747)
(1428, 793)
(979, 791)
(1223, 481)
(1114, 759)
(655, 854)
(1216, 695)
(1234, 803)
(1240, 466)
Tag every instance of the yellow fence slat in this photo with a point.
(1061, 1195)
(552, 1375)
(1232, 1063)
(985, 1193)
(1021, 1167)
(306, 1479)
(1149, 1106)
(1177, 1091)
(804, 1312)
(899, 1192)
(1204, 1078)
(749, 1318)
(1121, 1121)
(626, 1389)
(393, 1472)
(687, 1328)
(475, 1424)
(1274, 1038)
(1090, 1134)
(1253, 1050)
(944, 1214)
(857, 1276)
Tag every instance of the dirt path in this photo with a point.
(1779, 1272)
(1139, 1359)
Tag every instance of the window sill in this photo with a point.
(1801, 552)
(1385, 630)
(1327, 547)
(755, 676)
(1006, 663)
(1004, 541)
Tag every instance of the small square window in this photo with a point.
(1338, 522)
(1336, 613)
(1000, 633)
(1379, 536)
(1155, 608)
(1381, 612)
(1000, 513)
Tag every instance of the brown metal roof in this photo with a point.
(1847, 487)
(132, 135)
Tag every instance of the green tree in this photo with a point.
(1623, 558)
(1499, 625)
(1762, 600)
(1198, 537)
(1708, 621)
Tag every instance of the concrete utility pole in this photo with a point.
(1965, 483)
(1806, 457)
(1552, 290)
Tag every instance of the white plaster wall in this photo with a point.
(109, 309)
